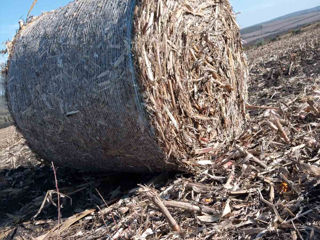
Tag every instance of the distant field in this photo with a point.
(5, 119)
(3, 108)
(275, 27)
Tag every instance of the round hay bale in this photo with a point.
(129, 85)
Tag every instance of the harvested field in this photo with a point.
(8, 136)
(265, 187)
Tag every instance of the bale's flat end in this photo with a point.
(193, 75)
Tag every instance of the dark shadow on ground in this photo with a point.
(23, 190)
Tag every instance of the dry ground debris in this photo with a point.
(265, 186)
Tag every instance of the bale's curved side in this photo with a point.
(86, 93)
(194, 75)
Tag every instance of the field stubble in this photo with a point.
(264, 185)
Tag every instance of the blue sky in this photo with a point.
(257, 11)
(13, 10)
(251, 12)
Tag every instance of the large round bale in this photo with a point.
(127, 85)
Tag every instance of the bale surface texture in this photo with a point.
(129, 85)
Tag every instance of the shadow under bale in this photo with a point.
(30, 193)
